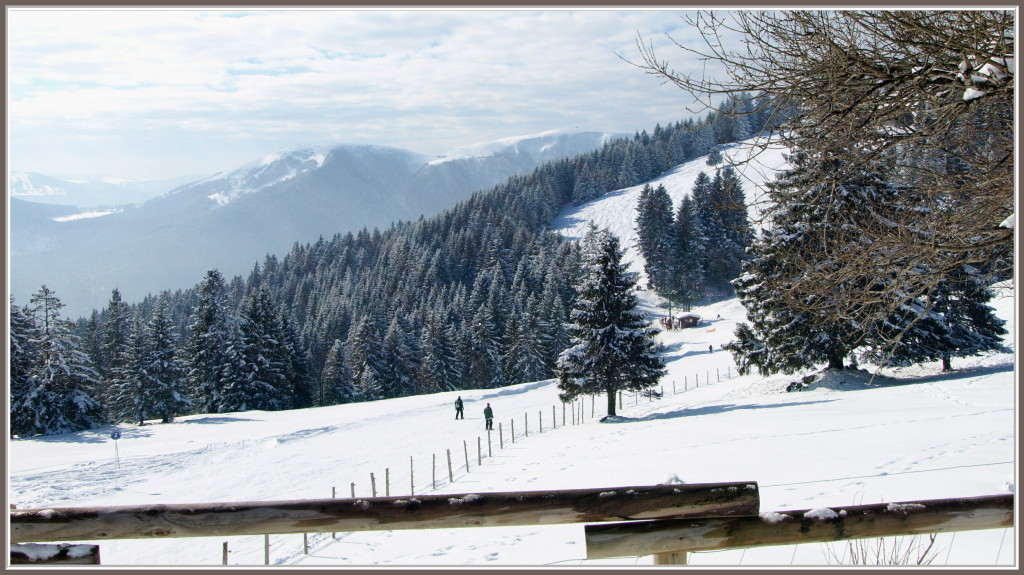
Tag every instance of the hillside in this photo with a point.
(233, 220)
(909, 434)
(917, 434)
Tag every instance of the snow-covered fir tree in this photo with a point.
(60, 395)
(164, 367)
(206, 350)
(613, 348)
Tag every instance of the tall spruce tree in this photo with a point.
(207, 348)
(613, 349)
(164, 366)
(61, 394)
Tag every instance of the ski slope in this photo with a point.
(908, 434)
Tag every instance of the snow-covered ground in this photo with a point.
(916, 434)
(913, 434)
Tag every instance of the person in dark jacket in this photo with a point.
(489, 416)
(458, 408)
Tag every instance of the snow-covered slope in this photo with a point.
(754, 160)
(916, 433)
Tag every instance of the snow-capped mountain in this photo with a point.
(87, 193)
(231, 221)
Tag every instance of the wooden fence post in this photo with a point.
(670, 558)
(387, 482)
(334, 494)
(412, 482)
(563, 414)
(513, 431)
(225, 553)
(433, 471)
(526, 425)
(353, 491)
(451, 478)
(373, 484)
(305, 543)
(501, 437)
(554, 418)
(592, 407)
(540, 421)
(465, 450)
(489, 454)
(479, 452)
(266, 549)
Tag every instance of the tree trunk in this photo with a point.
(947, 365)
(835, 361)
(611, 402)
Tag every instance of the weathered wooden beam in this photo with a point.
(384, 513)
(641, 538)
(62, 554)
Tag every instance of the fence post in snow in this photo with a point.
(501, 437)
(479, 452)
(592, 406)
(465, 450)
(554, 418)
(373, 484)
(540, 421)
(563, 414)
(334, 494)
(451, 478)
(489, 453)
(513, 422)
(225, 553)
(305, 543)
(412, 482)
(353, 491)
(433, 471)
(526, 425)
(266, 549)
(387, 482)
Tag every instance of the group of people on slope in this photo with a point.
(488, 412)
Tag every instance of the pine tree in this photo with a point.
(23, 358)
(61, 397)
(336, 384)
(132, 389)
(364, 359)
(256, 376)
(208, 344)
(688, 253)
(164, 367)
(655, 236)
(612, 348)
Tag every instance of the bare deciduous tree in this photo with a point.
(925, 97)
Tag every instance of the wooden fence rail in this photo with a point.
(384, 513)
(676, 537)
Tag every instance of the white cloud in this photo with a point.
(422, 79)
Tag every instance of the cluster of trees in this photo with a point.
(694, 252)
(884, 239)
(477, 296)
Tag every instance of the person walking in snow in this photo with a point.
(489, 417)
(458, 408)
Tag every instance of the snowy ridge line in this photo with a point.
(955, 467)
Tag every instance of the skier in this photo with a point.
(489, 417)
(458, 408)
(711, 348)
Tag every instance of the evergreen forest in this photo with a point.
(475, 297)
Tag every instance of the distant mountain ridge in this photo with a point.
(231, 221)
(88, 193)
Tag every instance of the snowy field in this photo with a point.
(906, 435)
(915, 434)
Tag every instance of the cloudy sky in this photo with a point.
(159, 93)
